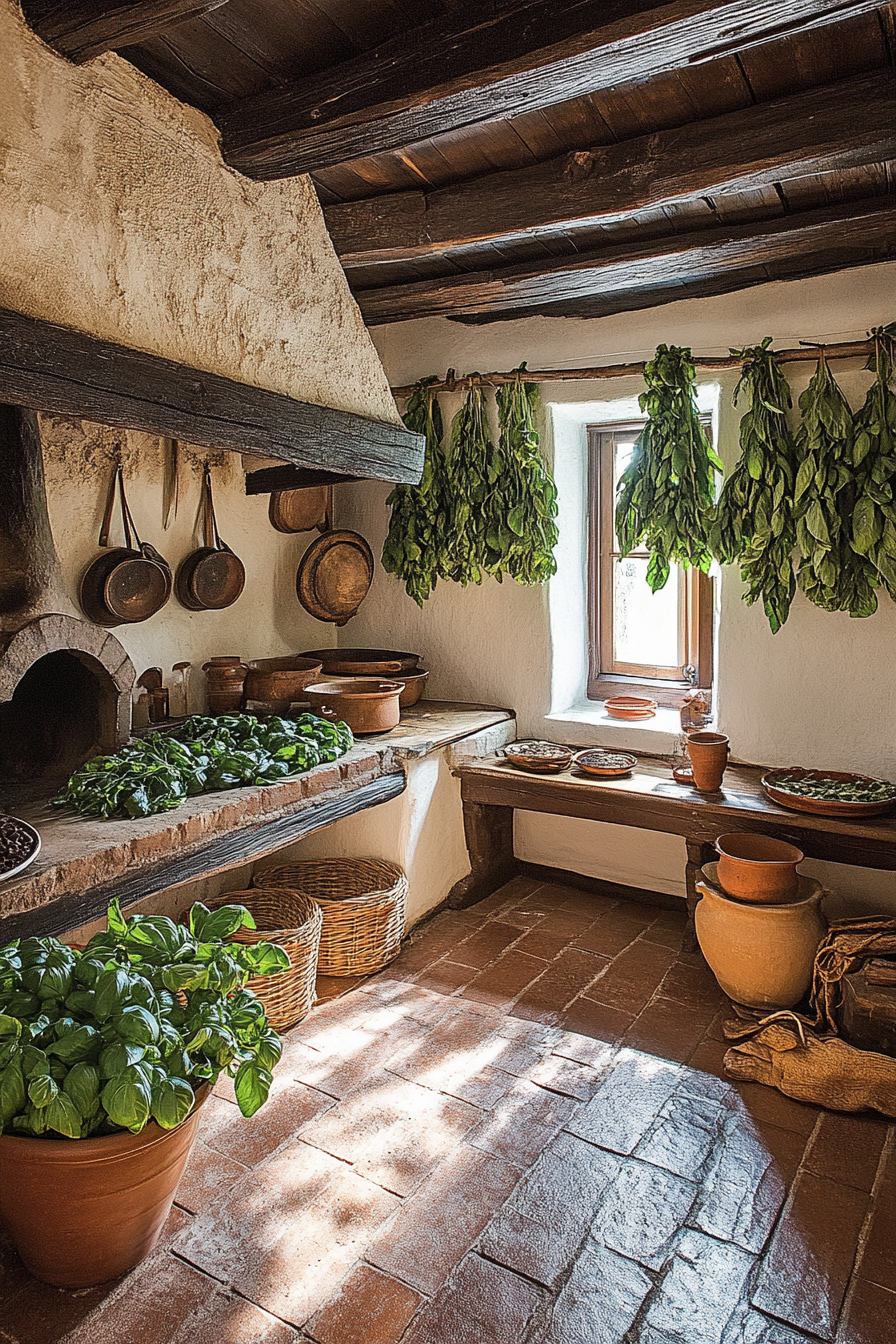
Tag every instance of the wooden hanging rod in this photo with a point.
(848, 350)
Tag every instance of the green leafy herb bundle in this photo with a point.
(522, 507)
(474, 468)
(873, 533)
(831, 573)
(754, 523)
(414, 547)
(108, 1038)
(666, 494)
(158, 772)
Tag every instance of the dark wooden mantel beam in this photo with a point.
(82, 29)
(611, 274)
(51, 368)
(462, 69)
(843, 125)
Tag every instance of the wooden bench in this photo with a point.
(650, 799)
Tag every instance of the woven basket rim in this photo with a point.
(258, 935)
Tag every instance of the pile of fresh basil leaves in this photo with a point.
(157, 772)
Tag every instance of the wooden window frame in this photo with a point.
(697, 611)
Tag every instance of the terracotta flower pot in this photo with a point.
(761, 955)
(758, 868)
(83, 1211)
(709, 756)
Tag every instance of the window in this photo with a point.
(655, 643)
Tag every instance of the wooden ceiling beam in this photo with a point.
(844, 125)
(82, 29)
(465, 68)
(699, 256)
(51, 368)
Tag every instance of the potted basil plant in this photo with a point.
(106, 1055)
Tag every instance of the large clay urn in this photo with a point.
(761, 955)
(83, 1211)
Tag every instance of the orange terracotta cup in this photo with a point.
(709, 756)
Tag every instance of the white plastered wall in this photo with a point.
(821, 692)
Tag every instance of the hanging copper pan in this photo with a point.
(302, 510)
(212, 577)
(125, 584)
(334, 576)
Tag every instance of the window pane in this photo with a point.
(645, 624)
(622, 455)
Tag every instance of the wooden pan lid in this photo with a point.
(334, 576)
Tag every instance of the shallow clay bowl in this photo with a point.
(630, 707)
(542, 758)
(366, 704)
(758, 868)
(280, 680)
(823, 807)
(594, 762)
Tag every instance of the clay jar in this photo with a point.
(709, 756)
(226, 684)
(83, 1211)
(758, 868)
(761, 955)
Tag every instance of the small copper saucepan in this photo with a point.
(125, 584)
(212, 577)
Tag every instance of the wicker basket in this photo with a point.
(291, 920)
(363, 903)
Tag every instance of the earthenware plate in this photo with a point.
(773, 783)
(604, 764)
(542, 758)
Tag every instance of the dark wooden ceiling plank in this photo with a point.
(717, 86)
(686, 258)
(822, 55)
(844, 125)
(198, 68)
(289, 38)
(52, 368)
(736, 207)
(452, 74)
(82, 29)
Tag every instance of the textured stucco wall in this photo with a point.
(118, 218)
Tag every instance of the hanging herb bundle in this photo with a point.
(413, 548)
(474, 468)
(521, 532)
(874, 458)
(665, 497)
(754, 523)
(831, 573)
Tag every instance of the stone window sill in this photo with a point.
(587, 724)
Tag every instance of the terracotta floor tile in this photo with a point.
(593, 903)
(394, 1132)
(342, 1057)
(329, 987)
(37, 1314)
(669, 1029)
(746, 1188)
(542, 941)
(445, 976)
(600, 1300)
(693, 985)
(568, 975)
(700, 1292)
(627, 1104)
(459, 1047)
(505, 979)
(439, 1223)
(769, 1105)
(642, 1213)
(878, 1262)
(486, 944)
(684, 1136)
(149, 1305)
(567, 1077)
(522, 1124)
(708, 1057)
(209, 1175)
(368, 1308)
(614, 931)
(590, 1018)
(847, 1148)
(289, 1107)
(808, 1264)
(633, 977)
(289, 1232)
(540, 1229)
(870, 1315)
(483, 1304)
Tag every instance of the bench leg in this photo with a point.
(489, 835)
(698, 853)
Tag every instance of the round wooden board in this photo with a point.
(334, 576)
(300, 510)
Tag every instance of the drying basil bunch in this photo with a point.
(474, 469)
(666, 494)
(754, 523)
(413, 549)
(831, 573)
(521, 530)
(874, 457)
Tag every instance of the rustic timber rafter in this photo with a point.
(51, 368)
(845, 125)
(82, 29)
(455, 72)
(613, 275)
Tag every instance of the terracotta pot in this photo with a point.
(367, 705)
(761, 955)
(280, 681)
(83, 1211)
(709, 756)
(758, 868)
(226, 684)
